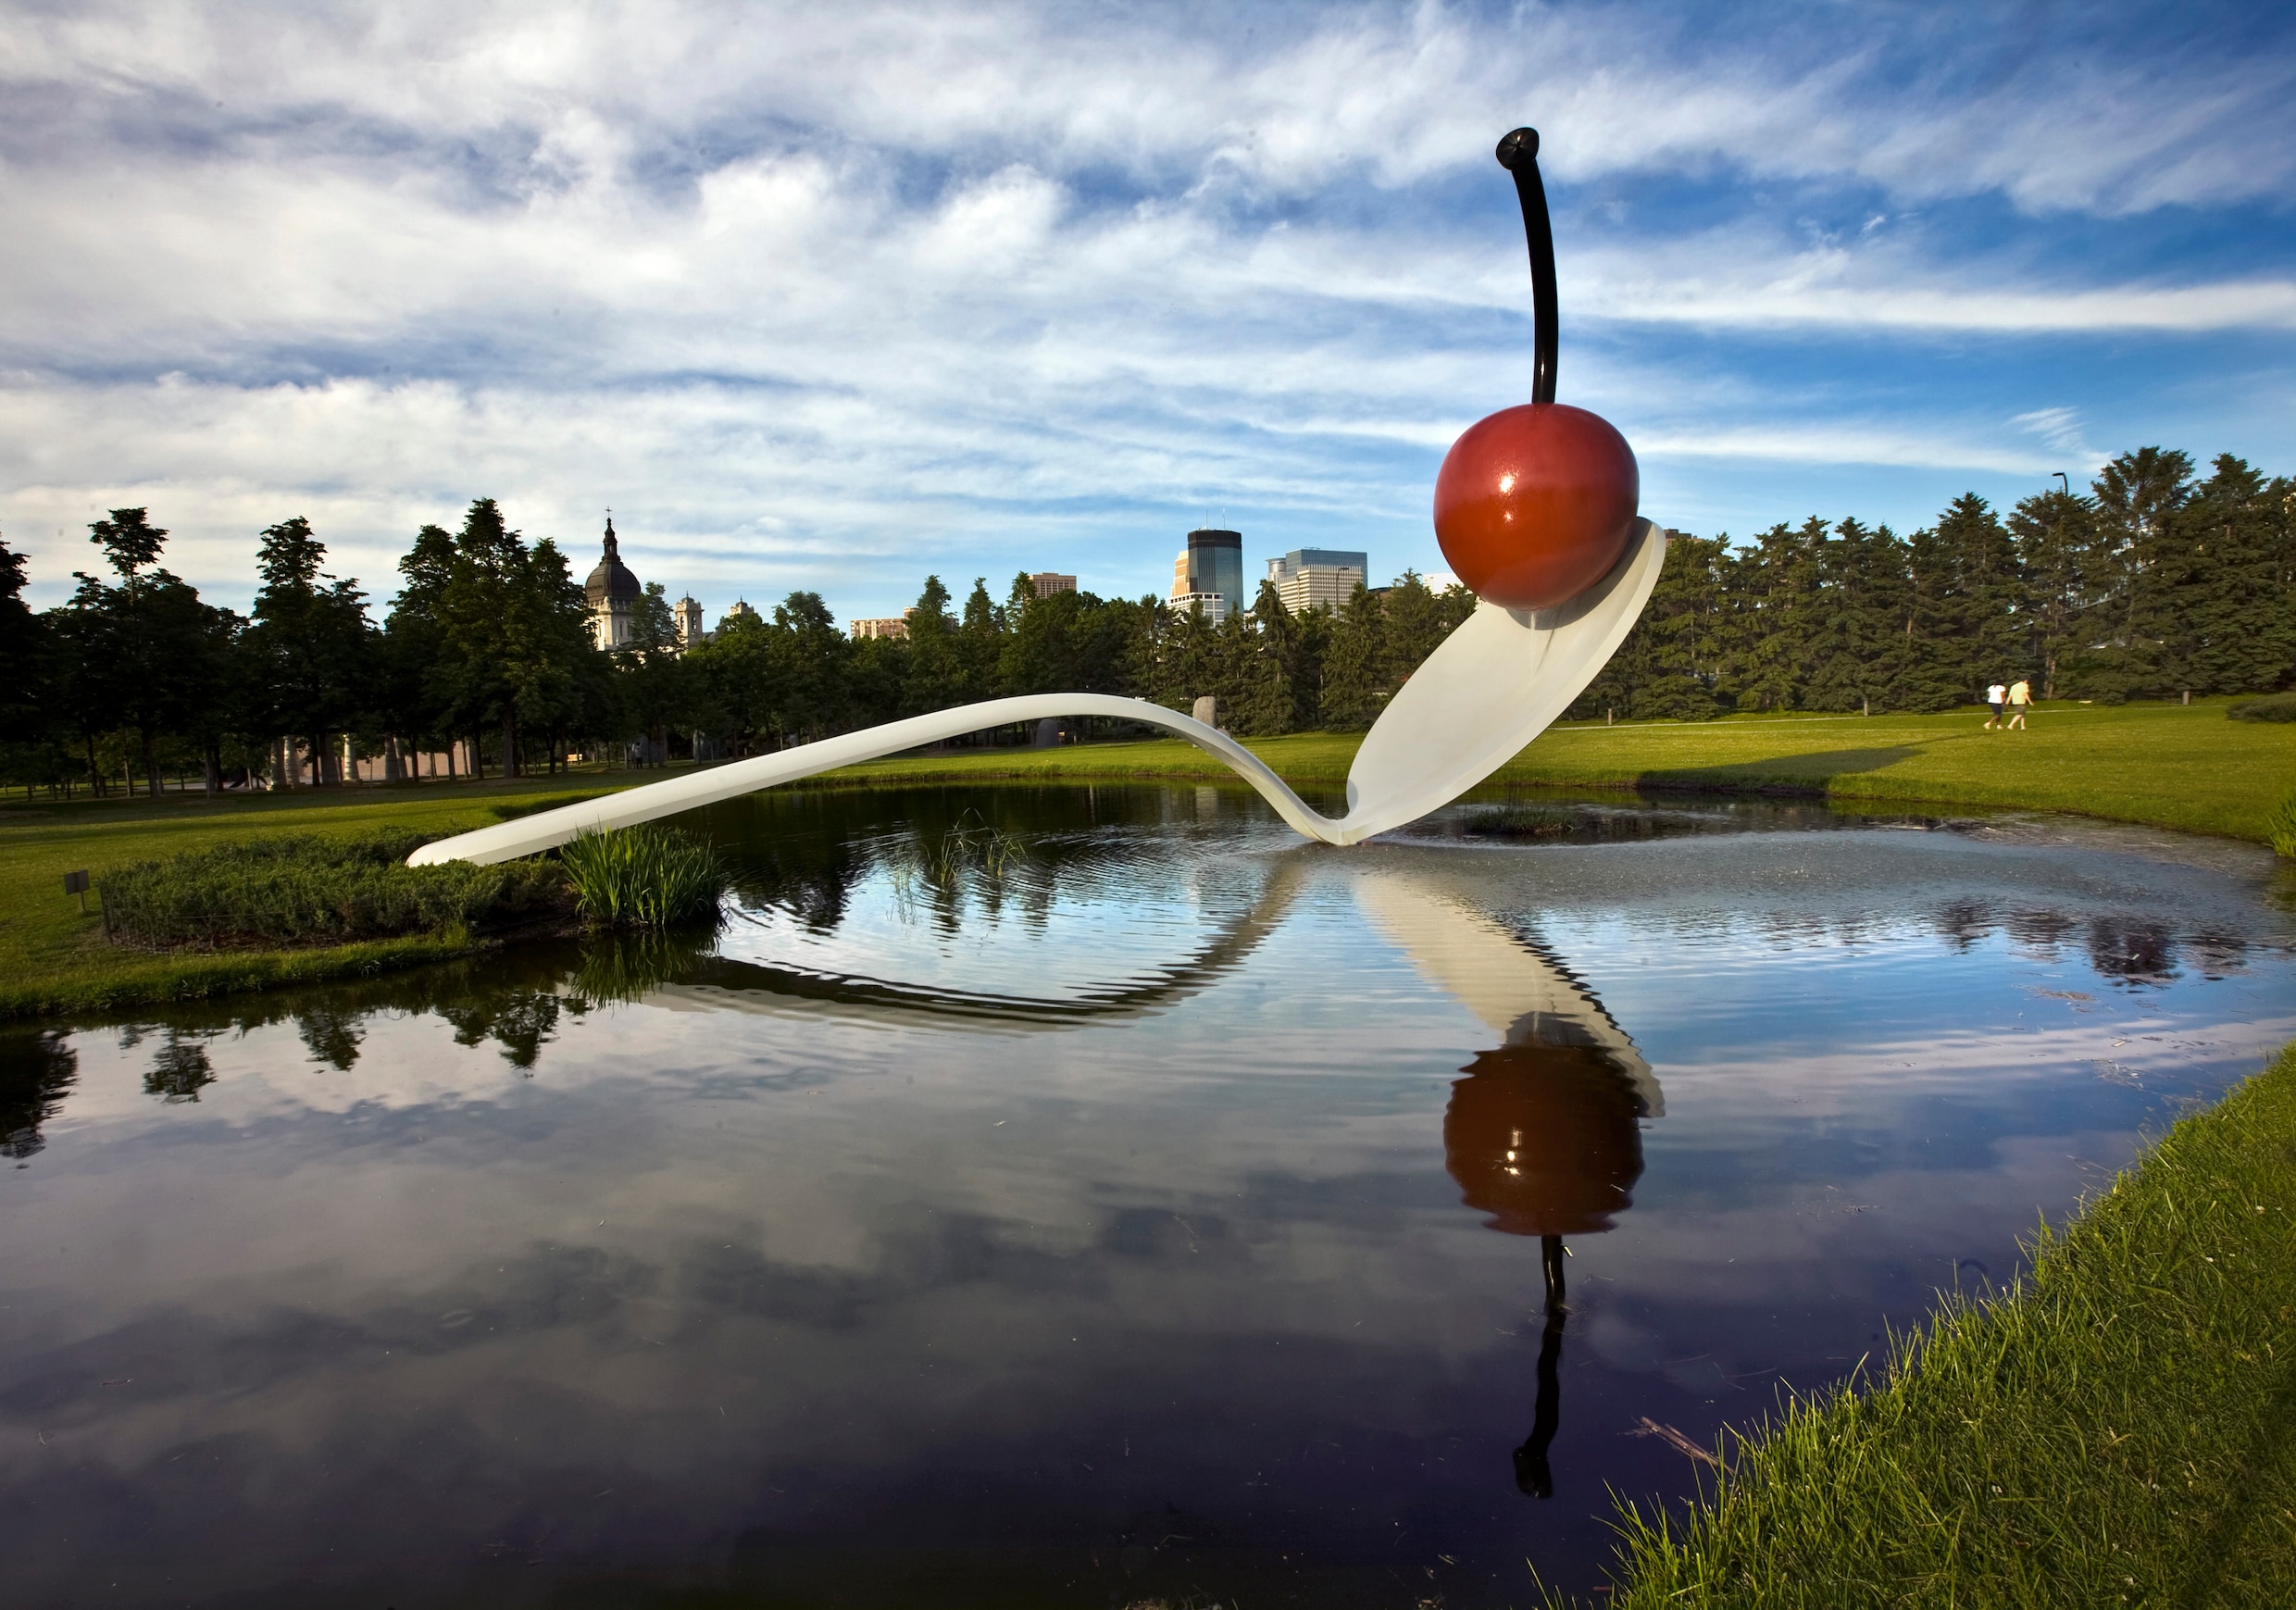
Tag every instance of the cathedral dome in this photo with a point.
(611, 582)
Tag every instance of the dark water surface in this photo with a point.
(1143, 1206)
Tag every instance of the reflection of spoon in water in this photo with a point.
(1491, 687)
(1542, 1134)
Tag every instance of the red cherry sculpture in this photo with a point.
(1535, 505)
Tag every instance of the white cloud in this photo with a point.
(838, 295)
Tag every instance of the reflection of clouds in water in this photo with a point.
(909, 1277)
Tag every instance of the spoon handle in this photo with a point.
(1519, 154)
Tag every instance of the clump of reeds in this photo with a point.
(644, 877)
(1518, 821)
(943, 865)
(307, 890)
(2280, 825)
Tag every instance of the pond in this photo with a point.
(1077, 1197)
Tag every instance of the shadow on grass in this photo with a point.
(1791, 774)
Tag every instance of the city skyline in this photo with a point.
(834, 301)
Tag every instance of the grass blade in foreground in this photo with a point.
(2114, 1429)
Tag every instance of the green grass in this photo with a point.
(2168, 765)
(645, 877)
(53, 958)
(2114, 1429)
(297, 890)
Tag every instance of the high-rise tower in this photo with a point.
(1211, 568)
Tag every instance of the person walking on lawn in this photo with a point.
(1994, 697)
(2020, 695)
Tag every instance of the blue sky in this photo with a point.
(831, 297)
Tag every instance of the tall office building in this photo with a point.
(1045, 584)
(1211, 567)
(1318, 577)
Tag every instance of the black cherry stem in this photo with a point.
(1519, 154)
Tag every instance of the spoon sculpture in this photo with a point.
(1535, 508)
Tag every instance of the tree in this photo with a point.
(512, 631)
(144, 647)
(652, 681)
(2056, 536)
(2137, 496)
(1354, 663)
(407, 692)
(23, 655)
(936, 663)
(310, 647)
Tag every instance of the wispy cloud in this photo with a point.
(830, 298)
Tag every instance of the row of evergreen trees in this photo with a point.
(2149, 585)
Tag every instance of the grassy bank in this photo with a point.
(2168, 765)
(2112, 1431)
(54, 959)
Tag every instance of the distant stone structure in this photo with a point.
(687, 613)
(614, 593)
(1045, 584)
(879, 626)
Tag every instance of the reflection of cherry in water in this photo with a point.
(1544, 1139)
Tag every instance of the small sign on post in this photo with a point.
(77, 884)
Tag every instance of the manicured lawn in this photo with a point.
(2168, 765)
(51, 959)
(2112, 1431)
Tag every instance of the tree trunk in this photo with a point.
(214, 758)
(152, 779)
(95, 775)
(511, 745)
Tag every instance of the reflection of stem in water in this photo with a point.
(1531, 1472)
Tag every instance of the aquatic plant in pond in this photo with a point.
(311, 889)
(942, 865)
(1520, 821)
(644, 877)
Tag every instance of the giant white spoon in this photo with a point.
(1493, 686)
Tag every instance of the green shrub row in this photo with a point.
(2270, 708)
(307, 890)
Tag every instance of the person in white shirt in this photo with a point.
(1993, 696)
